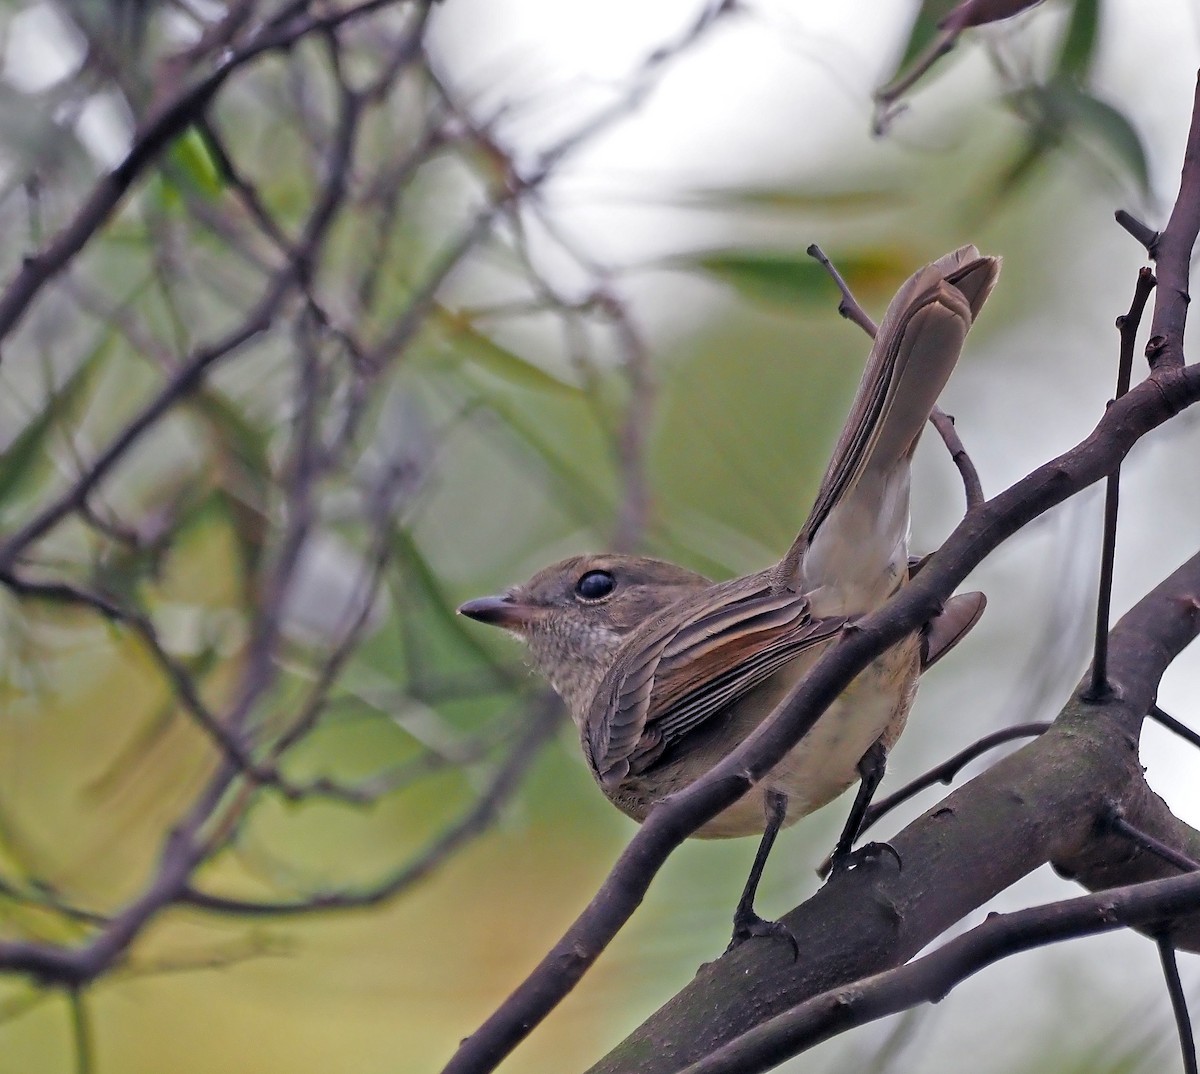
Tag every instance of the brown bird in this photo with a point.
(665, 672)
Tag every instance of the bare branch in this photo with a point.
(948, 769)
(157, 132)
(1173, 256)
(963, 16)
(545, 717)
(972, 486)
(1147, 236)
(1116, 822)
(849, 306)
(1128, 326)
(1183, 1022)
(931, 978)
(1168, 721)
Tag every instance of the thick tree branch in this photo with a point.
(931, 978)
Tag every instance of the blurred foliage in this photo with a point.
(469, 415)
(1055, 108)
(790, 279)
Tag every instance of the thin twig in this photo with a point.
(245, 190)
(423, 299)
(849, 306)
(81, 1032)
(972, 486)
(1172, 724)
(1098, 691)
(640, 83)
(946, 772)
(965, 15)
(545, 717)
(635, 505)
(1179, 1005)
(1115, 822)
(1144, 234)
(44, 897)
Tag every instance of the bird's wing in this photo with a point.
(649, 702)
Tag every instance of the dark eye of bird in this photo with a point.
(594, 585)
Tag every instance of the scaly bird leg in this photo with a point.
(746, 923)
(870, 768)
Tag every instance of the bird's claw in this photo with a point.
(749, 925)
(868, 853)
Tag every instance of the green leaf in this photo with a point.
(1079, 41)
(416, 571)
(925, 27)
(235, 435)
(576, 492)
(138, 751)
(28, 454)
(789, 278)
(1115, 130)
(192, 159)
(924, 30)
(464, 340)
(1062, 109)
(771, 199)
(1030, 155)
(244, 479)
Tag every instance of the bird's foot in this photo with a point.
(747, 925)
(844, 859)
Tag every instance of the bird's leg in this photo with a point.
(746, 923)
(870, 769)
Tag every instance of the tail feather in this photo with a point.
(973, 274)
(864, 493)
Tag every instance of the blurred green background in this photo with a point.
(643, 352)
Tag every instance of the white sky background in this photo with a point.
(750, 104)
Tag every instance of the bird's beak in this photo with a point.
(502, 611)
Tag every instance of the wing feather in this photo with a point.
(649, 702)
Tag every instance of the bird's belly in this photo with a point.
(825, 761)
